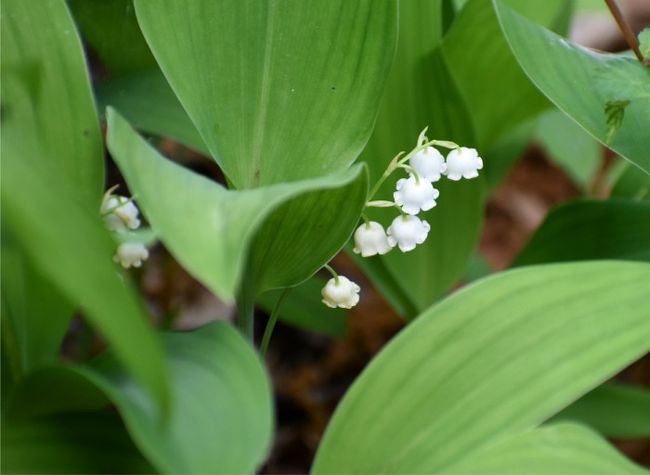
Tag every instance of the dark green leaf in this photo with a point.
(71, 443)
(111, 29)
(613, 409)
(150, 105)
(587, 230)
(632, 183)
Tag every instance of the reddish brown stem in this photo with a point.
(628, 34)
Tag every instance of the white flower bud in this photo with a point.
(463, 162)
(119, 213)
(407, 232)
(131, 254)
(370, 239)
(340, 292)
(413, 195)
(429, 163)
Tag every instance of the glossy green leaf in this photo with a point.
(278, 90)
(570, 147)
(586, 230)
(420, 93)
(558, 449)
(221, 417)
(70, 443)
(613, 409)
(536, 334)
(46, 91)
(302, 308)
(150, 105)
(111, 30)
(214, 232)
(595, 80)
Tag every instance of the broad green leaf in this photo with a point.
(215, 232)
(569, 146)
(420, 93)
(632, 183)
(498, 94)
(52, 165)
(46, 92)
(587, 230)
(279, 91)
(221, 417)
(595, 80)
(68, 245)
(302, 308)
(558, 449)
(613, 409)
(536, 339)
(150, 105)
(111, 29)
(35, 315)
(70, 443)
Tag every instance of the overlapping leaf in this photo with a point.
(613, 409)
(537, 343)
(45, 89)
(279, 91)
(214, 232)
(582, 83)
(52, 172)
(220, 419)
(558, 449)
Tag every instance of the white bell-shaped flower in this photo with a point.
(120, 213)
(131, 254)
(340, 292)
(413, 195)
(370, 239)
(463, 162)
(429, 164)
(407, 232)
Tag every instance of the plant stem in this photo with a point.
(270, 325)
(333, 272)
(400, 160)
(628, 34)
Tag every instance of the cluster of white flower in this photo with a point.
(415, 193)
(120, 215)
